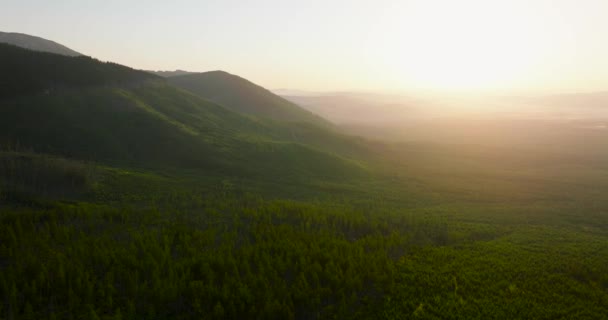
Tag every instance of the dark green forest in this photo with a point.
(24, 72)
(124, 197)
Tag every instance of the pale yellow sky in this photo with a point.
(475, 44)
(456, 45)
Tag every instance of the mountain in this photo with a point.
(24, 72)
(243, 96)
(588, 100)
(295, 92)
(347, 108)
(171, 73)
(85, 109)
(36, 43)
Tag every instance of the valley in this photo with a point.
(126, 195)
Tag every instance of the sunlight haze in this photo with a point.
(536, 45)
(303, 160)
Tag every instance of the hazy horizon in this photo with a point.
(390, 46)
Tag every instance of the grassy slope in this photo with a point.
(244, 96)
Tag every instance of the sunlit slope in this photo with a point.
(284, 120)
(243, 96)
(146, 122)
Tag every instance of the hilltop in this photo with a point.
(243, 96)
(36, 43)
(26, 72)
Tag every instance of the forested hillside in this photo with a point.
(88, 110)
(24, 72)
(243, 96)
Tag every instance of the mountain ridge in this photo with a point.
(24, 71)
(244, 96)
(167, 73)
(36, 43)
(122, 116)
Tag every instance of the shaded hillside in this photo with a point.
(154, 125)
(24, 72)
(36, 43)
(98, 113)
(243, 96)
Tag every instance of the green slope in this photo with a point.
(243, 96)
(113, 114)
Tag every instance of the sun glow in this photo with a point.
(458, 45)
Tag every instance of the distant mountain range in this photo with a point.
(354, 108)
(36, 43)
(589, 100)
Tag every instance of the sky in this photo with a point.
(329, 45)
